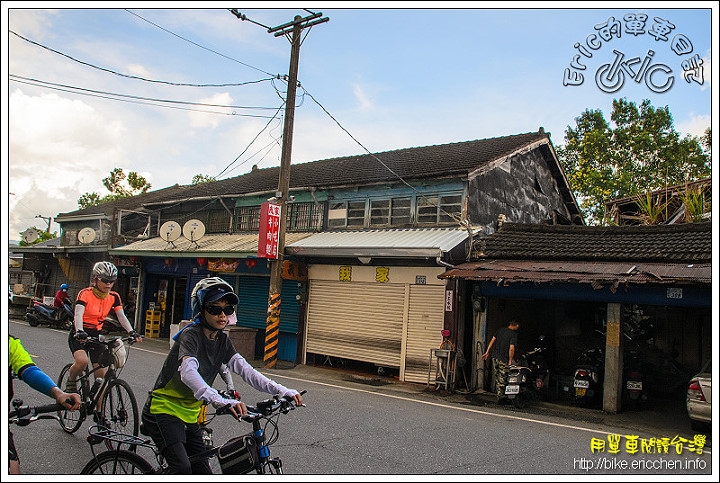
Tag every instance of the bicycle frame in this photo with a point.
(123, 461)
(112, 402)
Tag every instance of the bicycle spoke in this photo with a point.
(119, 410)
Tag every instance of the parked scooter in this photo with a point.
(635, 388)
(54, 317)
(527, 380)
(588, 377)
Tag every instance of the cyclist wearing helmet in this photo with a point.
(170, 415)
(92, 305)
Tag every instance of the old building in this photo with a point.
(642, 287)
(367, 237)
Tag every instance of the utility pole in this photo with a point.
(272, 322)
(48, 220)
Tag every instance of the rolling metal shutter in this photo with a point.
(425, 321)
(252, 309)
(356, 320)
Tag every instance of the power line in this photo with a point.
(250, 144)
(196, 44)
(459, 221)
(151, 101)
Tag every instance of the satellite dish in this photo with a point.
(30, 235)
(193, 230)
(86, 235)
(170, 231)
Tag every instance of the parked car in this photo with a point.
(699, 398)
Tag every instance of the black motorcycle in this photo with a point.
(588, 376)
(54, 317)
(635, 390)
(527, 379)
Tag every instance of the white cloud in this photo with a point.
(362, 97)
(695, 126)
(202, 120)
(59, 149)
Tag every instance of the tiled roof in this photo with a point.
(409, 164)
(679, 243)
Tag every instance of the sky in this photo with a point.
(171, 93)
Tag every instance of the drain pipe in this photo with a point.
(443, 263)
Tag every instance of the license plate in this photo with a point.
(634, 385)
(580, 392)
(581, 383)
(512, 389)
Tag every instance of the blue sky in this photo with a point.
(372, 78)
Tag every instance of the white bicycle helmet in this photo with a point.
(209, 290)
(105, 270)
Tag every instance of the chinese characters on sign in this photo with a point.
(269, 227)
(610, 77)
(382, 274)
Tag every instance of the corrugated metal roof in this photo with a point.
(402, 243)
(223, 245)
(597, 274)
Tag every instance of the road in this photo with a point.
(351, 429)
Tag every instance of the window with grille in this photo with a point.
(436, 209)
(400, 211)
(395, 211)
(356, 214)
(379, 212)
(247, 218)
(217, 221)
(304, 217)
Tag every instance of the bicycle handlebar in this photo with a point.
(24, 414)
(265, 408)
(101, 340)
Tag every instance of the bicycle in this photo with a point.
(118, 407)
(239, 455)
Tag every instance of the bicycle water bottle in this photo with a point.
(96, 386)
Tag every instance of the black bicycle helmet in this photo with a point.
(105, 270)
(210, 290)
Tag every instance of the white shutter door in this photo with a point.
(356, 320)
(425, 321)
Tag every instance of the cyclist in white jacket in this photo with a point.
(184, 384)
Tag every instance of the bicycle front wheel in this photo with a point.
(70, 421)
(119, 409)
(118, 462)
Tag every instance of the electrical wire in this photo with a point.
(134, 99)
(250, 144)
(180, 84)
(457, 219)
(196, 44)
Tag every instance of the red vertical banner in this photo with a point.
(269, 228)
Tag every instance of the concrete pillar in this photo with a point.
(612, 385)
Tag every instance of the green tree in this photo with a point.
(643, 152)
(119, 186)
(203, 178)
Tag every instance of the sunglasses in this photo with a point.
(216, 309)
(107, 280)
